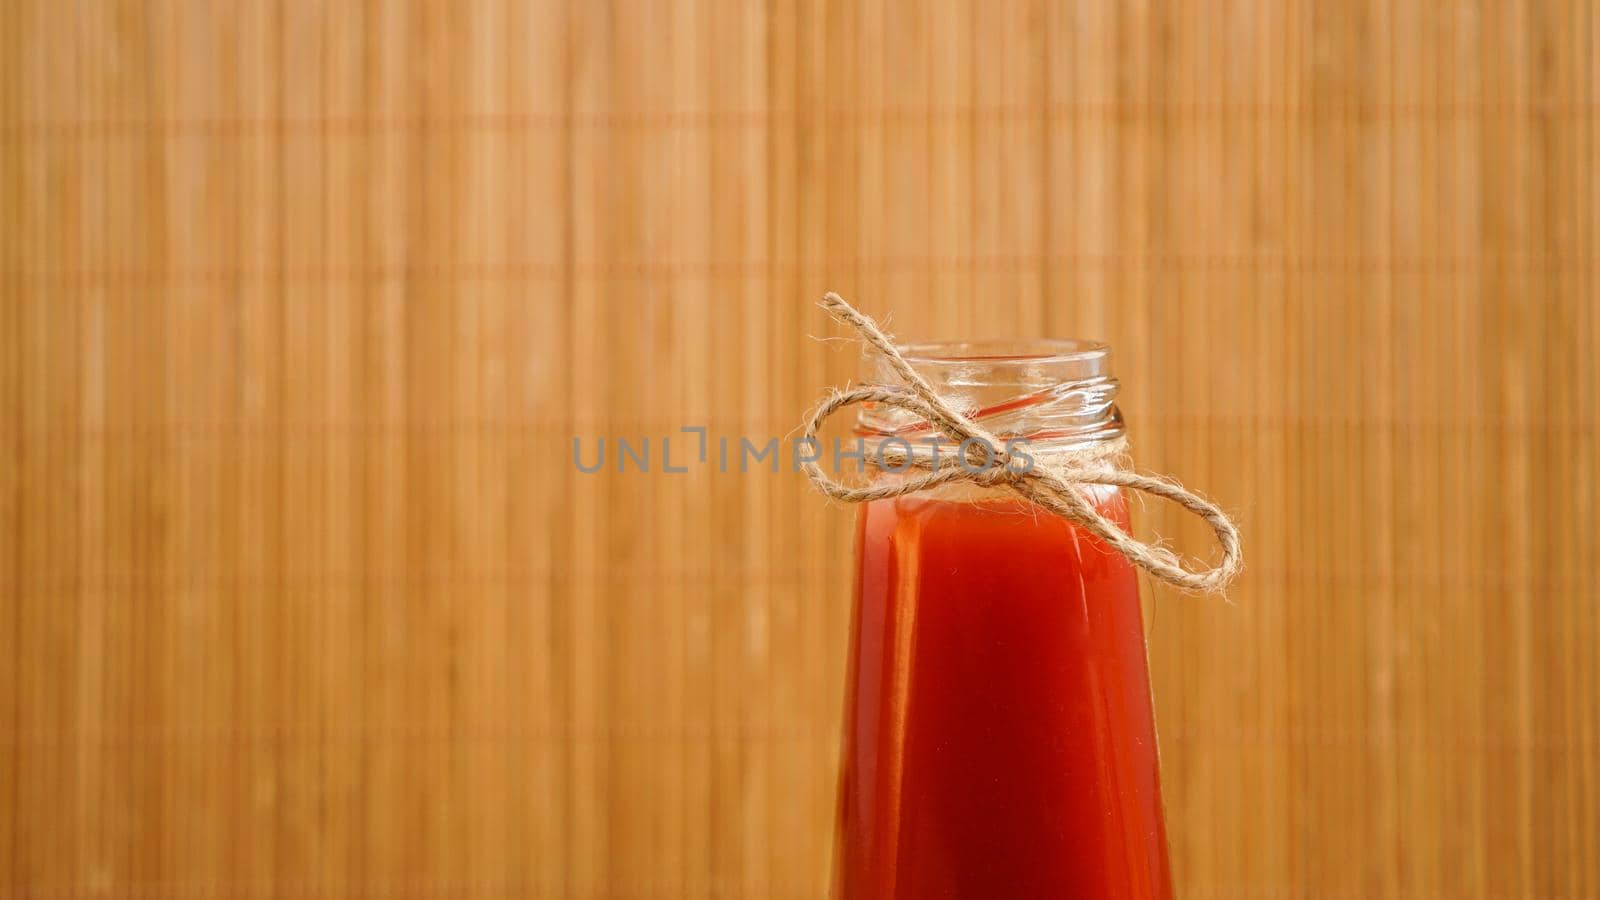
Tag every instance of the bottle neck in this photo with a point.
(1052, 396)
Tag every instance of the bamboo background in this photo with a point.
(304, 304)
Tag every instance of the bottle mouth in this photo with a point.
(1058, 393)
(1044, 351)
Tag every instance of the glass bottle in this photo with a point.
(999, 739)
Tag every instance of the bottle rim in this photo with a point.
(1033, 350)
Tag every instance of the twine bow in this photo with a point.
(1052, 484)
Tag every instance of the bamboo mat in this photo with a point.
(305, 303)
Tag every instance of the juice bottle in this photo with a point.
(999, 740)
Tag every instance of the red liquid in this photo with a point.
(999, 740)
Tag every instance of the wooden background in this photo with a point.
(304, 304)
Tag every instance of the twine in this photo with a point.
(1052, 484)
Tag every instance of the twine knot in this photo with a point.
(984, 460)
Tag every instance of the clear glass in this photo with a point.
(999, 738)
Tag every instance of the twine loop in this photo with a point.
(1053, 484)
